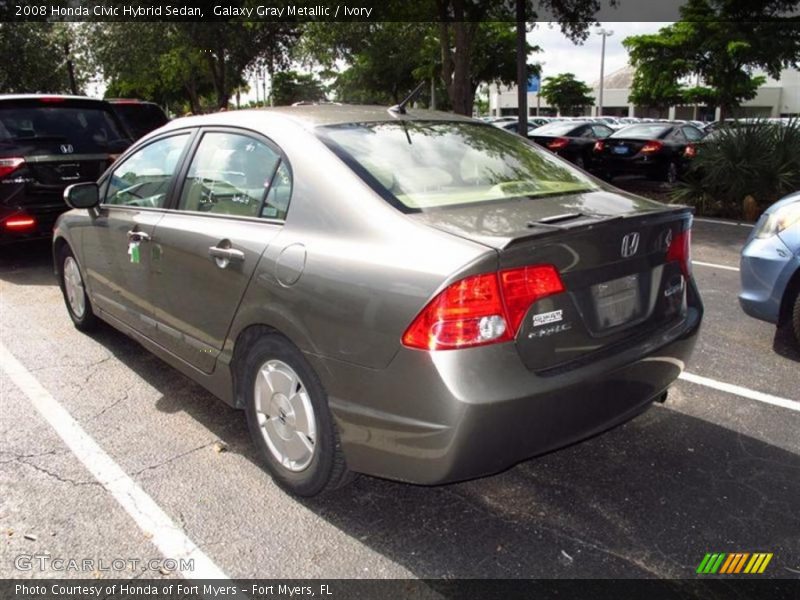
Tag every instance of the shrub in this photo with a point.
(750, 164)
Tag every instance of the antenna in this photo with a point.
(401, 108)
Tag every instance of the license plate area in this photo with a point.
(617, 302)
(620, 149)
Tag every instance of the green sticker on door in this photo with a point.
(133, 252)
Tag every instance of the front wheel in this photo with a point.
(796, 319)
(289, 420)
(78, 304)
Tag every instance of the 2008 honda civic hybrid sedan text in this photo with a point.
(412, 295)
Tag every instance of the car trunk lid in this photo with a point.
(613, 254)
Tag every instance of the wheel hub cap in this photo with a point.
(73, 286)
(285, 415)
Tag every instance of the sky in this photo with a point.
(560, 55)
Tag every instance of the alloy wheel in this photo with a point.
(285, 415)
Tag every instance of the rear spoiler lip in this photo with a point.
(588, 223)
(544, 231)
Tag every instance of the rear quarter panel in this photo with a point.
(363, 269)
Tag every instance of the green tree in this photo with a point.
(162, 66)
(289, 87)
(170, 62)
(386, 60)
(40, 57)
(722, 42)
(460, 25)
(566, 93)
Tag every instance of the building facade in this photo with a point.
(775, 98)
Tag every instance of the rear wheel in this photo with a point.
(78, 305)
(671, 173)
(289, 420)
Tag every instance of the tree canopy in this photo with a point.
(566, 93)
(173, 61)
(720, 42)
(40, 57)
(289, 87)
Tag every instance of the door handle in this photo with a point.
(138, 236)
(226, 254)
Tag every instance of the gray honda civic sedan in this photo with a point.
(412, 295)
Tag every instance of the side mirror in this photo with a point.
(82, 195)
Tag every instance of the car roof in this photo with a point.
(311, 116)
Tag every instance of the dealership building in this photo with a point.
(775, 98)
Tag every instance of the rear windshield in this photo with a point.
(644, 132)
(422, 165)
(141, 118)
(558, 128)
(86, 129)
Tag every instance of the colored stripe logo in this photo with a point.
(734, 563)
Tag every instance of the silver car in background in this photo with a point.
(416, 296)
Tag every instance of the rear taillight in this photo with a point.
(9, 165)
(481, 309)
(680, 251)
(599, 146)
(20, 223)
(558, 143)
(652, 147)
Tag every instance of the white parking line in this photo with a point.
(715, 266)
(151, 519)
(741, 391)
(717, 222)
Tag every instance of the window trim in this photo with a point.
(174, 201)
(106, 177)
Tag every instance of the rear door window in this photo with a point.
(230, 174)
(143, 178)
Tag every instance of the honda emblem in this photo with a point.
(630, 245)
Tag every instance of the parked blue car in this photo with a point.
(770, 266)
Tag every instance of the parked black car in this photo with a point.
(138, 116)
(659, 151)
(46, 144)
(573, 140)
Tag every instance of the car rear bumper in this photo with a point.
(432, 418)
(766, 267)
(44, 216)
(642, 165)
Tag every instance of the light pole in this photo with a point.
(605, 33)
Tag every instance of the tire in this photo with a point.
(796, 319)
(290, 423)
(77, 301)
(671, 173)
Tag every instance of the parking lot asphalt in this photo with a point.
(709, 471)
